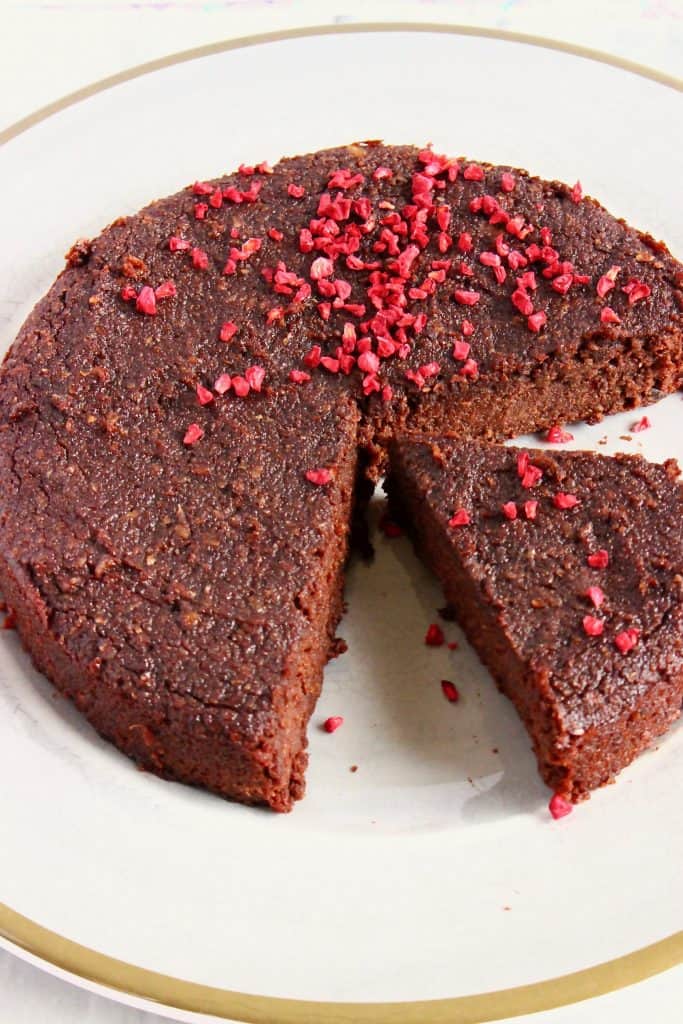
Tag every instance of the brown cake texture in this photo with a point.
(566, 572)
(171, 566)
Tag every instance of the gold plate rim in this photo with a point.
(118, 976)
(107, 972)
(255, 39)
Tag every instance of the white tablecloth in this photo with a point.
(49, 49)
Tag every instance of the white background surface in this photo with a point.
(52, 48)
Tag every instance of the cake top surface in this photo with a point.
(580, 555)
(391, 269)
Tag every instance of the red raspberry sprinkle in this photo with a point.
(459, 518)
(387, 393)
(330, 364)
(467, 328)
(295, 191)
(146, 301)
(563, 283)
(299, 376)
(434, 636)
(389, 528)
(576, 194)
(528, 280)
(470, 368)
(368, 362)
(312, 357)
(202, 188)
(509, 510)
(306, 243)
(427, 370)
(473, 172)
(204, 395)
(332, 723)
(516, 260)
(128, 292)
(461, 349)
(608, 316)
(563, 500)
(319, 477)
(240, 385)
(596, 595)
(254, 377)
(193, 434)
(536, 321)
(521, 301)
(593, 626)
(216, 200)
(507, 182)
(465, 241)
(556, 435)
(627, 639)
(320, 268)
(559, 807)
(598, 559)
(200, 259)
(200, 211)
(382, 173)
(450, 691)
(642, 424)
(606, 282)
(532, 476)
(166, 290)
(223, 383)
(177, 244)
(275, 234)
(453, 645)
(274, 314)
(466, 298)
(344, 178)
(228, 330)
(636, 290)
(530, 509)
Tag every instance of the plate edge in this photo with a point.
(302, 32)
(118, 976)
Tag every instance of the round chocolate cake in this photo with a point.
(187, 414)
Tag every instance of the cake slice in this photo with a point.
(566, 572)
(185, 592)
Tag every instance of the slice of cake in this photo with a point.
(566, 572)
(183, 583)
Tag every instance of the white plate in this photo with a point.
(434, 871)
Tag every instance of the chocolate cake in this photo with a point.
(171, 566)
(566, 572)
